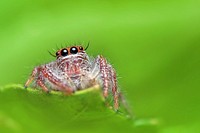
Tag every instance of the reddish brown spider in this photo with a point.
(74, 70)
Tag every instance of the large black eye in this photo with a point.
(73, 50)
(64, 52)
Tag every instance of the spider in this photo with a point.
(74, 70)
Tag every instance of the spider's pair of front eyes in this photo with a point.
(65, 52)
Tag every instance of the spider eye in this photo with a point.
(81, 48)
(57, 53)
(64, 52)
(73, 50)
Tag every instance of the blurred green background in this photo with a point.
(154, 46)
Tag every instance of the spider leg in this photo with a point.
(31, 78)
(41, 74)
(105, 74)
(57, 82)
(41, 84)
(109, 80)
(114, 87)
(36, 71)
(118, 96)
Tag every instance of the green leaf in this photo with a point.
(29, 110)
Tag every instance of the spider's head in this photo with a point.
(69, 51)
(72, 50)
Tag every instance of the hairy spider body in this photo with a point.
(74, 70)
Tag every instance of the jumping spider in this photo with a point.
(74, 70)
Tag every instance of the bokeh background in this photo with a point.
(154, 46)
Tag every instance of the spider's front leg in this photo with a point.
(108, 75)
(31, 78)
(42, 74)
(36, 71)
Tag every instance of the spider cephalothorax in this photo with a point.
(74, 70)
